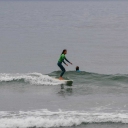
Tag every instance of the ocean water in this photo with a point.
(33, 34)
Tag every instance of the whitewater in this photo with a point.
(32, 78)
(45, 118)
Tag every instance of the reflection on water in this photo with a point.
(65, 91)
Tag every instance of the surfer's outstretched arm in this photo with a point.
(67, 60)
(64, 62)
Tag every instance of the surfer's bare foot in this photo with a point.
(61, 78)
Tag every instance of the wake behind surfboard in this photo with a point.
(65, 82)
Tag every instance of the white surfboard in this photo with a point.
(65, 82)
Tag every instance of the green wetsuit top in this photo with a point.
(62, 58)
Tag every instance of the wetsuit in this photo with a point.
(61, 59)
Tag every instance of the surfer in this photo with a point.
(61, 59)
(77, 69)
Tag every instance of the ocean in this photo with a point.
(33, 34)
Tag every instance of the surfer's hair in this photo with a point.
(63, 51)
(77, 68)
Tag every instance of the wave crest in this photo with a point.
(83, 76)
(32, 78)
(78, 78)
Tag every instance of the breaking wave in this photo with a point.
(45, 118)
(32, 78)
(78, 78)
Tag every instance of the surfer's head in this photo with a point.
(77, 68)
(64, 51)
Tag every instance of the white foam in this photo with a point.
(32, 78)
(45, 118)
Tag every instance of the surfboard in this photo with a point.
(65, 82)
